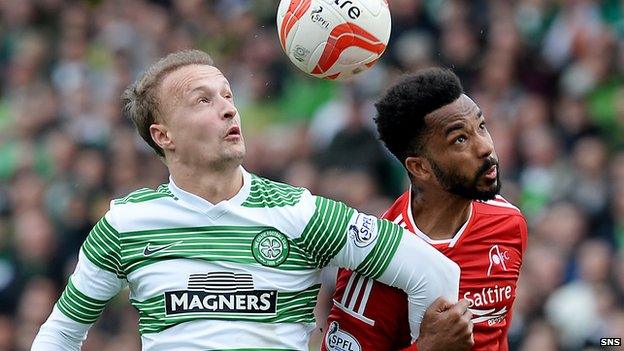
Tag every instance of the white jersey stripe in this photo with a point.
(363, 318)
(356, 292)
(367, 291)
(346, 294)
(398, 219)
(502, 203)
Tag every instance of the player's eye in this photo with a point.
(459, 140)
(228, 96)
(482, 125)
(203, 100)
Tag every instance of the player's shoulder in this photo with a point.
(143, 196)
(145, 205)
(395, 212)
(498, 206)
(266, 193)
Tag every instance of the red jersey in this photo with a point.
(368, 315)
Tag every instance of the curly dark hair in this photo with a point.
(401, 111)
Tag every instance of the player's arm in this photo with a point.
(338, 235)
(97, 278)
(445, 327)
(373, 314)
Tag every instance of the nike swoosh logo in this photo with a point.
(148, 251)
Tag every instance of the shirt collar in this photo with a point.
(451, 242)
(205, 205)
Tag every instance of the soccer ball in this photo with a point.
(333, 39)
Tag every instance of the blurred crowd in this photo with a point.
(548, 74)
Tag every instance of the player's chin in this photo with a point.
(236, 146)
(239, 153)
(489, 190)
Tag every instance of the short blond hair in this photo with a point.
(140, 99)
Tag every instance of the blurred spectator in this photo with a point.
(575, 307)
(541, 336)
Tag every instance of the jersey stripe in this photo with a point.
(347, 291)
(361, 317)
(103, 249)
(78, 306)
(210, 243)
(142, 195)
(398, 219)
(325, 234)
(356, 299)
(365, 296)
(388, 240)
(266, 193)
(501, 202)
(356, 293)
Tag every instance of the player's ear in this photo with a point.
(418, 167)
(161, 136)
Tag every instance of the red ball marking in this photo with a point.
(343, 36)
(295, 11)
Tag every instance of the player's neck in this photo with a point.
(439, 215)
(210, 184)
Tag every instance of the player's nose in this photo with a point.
(484, 146)
(229, 110)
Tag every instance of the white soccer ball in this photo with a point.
(333, 39)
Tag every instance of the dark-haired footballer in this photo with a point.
(439, 134)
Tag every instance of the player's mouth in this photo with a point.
(491, 173)
(233, 133)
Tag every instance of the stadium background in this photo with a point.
(548, 74)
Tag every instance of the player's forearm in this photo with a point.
(60, 333)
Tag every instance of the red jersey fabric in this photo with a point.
(489, 248)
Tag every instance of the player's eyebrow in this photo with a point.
(200, 88)
(459, 125)
(205, 88)
(453, 127)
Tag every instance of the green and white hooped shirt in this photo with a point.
(243, 274)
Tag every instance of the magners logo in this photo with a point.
(221, 292)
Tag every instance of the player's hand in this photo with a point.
(446, 326)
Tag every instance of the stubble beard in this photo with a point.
(230, 157)
(464, 187)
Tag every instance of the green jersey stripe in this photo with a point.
(217, 243)
(266, 193)
(340, 218)
(389, 236)
(216, 230)
(78, 306)
(164, 189)
(106, 244)
(259, 184)
(389, 250)
(103, 249)
(269, 189)
(109, 234)
(133, 194)
(142, 195)
(326, 232)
